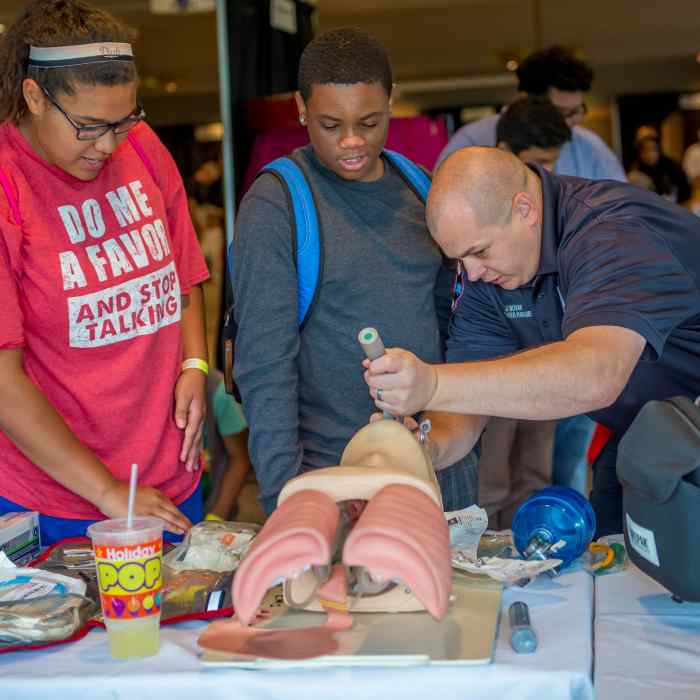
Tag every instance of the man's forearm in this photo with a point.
(452, 436)
(586, 372)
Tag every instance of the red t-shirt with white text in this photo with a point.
(90, 281)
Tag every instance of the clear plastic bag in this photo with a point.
(39, 606)
(498, 543)
(45, 619)
(188, 593)
(497, 558)
(212, 546)
(507, 571)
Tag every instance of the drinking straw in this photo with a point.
(132, 496)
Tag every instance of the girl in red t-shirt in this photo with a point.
(102, 346)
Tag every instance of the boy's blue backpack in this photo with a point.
(307, 239)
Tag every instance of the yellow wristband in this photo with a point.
(195, 363)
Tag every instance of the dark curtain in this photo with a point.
(264, 60)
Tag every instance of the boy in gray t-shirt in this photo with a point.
(302, 389)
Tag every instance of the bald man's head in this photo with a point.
(483, 179)
(485, 209)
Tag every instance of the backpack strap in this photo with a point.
(11, 198)
(414, 176)
(306, 233)
(306, 250)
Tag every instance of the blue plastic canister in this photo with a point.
(555, 513)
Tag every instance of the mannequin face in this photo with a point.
(54, 138)
(347, 126)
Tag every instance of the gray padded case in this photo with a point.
(658, 464)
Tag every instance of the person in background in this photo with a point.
(226, 446)
(301, 392)
(205, 185)
(534, 130)
(102, 350)
(691, 168)
(555, 73)
(655, 171)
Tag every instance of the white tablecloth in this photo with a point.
(647, 647)
(560, 609)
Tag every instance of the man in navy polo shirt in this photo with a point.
(578, 296)
(556, 74)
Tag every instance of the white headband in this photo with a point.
(65, 56)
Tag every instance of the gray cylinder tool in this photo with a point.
(371, 343)
(373, 346)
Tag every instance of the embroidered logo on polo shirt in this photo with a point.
(515, 311)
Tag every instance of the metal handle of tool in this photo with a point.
(372, 344)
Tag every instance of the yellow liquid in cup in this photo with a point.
(132, 639)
